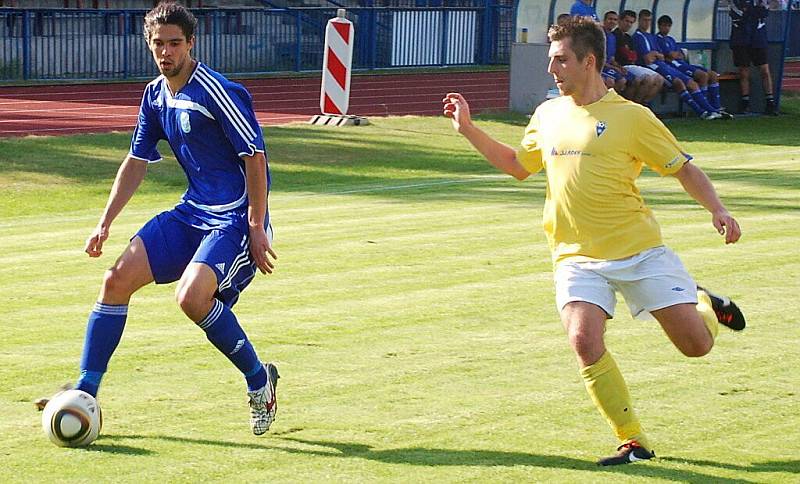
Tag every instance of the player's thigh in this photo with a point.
(685, 328)
(130, 272)
(170, 245)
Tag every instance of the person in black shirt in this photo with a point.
(748, 42)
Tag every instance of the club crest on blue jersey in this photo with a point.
(600, 128)
(185, 125)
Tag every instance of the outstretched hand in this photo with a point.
(726, 225)
(94, 244)
(261, 249)
(457, 109)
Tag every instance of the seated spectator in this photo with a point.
(562, 19)
(614, 75)
(707, 79)
(649, 56)
(648, 83)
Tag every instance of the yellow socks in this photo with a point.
(707, 313)
(609, 392)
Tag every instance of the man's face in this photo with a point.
(644, 22)
(663, 28)
(610, 22)
(171, 50)
(570, 74)
(626, 22)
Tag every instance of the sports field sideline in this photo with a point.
(411, 315)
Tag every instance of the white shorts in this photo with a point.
(650, 280)
(641, 71)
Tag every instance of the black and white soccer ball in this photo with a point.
(72, 419)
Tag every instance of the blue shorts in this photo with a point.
(171, 245)
(616, 76)
(668, 72)
(686, 68)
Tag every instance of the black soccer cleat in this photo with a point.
(628, 452)
(728, 313)
(771, 108)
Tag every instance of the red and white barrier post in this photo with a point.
(334, 98)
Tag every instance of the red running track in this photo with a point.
(95, 108)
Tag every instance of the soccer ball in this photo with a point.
(72, 419)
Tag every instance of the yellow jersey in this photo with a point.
(592, 155)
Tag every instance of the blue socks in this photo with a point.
(103, 333)
(702, 101)
(688, 99)
(225, 333)
(713, 95)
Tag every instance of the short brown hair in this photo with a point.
(587, 38)
(170, 13)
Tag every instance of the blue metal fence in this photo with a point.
(56, 44)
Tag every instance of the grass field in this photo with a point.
(411, 316)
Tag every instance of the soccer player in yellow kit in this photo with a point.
(592, 144)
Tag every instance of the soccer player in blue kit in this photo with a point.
(216, 237)
(650, 56)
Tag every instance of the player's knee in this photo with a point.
(583, 343)
(115, 284)
(189, 301)
(697, 348)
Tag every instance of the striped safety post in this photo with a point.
(335, 93)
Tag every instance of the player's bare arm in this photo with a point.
(260, 248)
(499, 154)
(129, 176)
(698, 186)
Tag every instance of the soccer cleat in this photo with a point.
(629, 452)
(42, 402)
(744, 106)
(771, 109)
(728, 313)
(725, 114)
(264, 402)
(710, 115)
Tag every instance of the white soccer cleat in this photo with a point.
(264, 402)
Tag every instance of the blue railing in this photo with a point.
(61, 44)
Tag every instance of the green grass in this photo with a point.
(411, 316)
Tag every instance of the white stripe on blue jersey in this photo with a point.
(184, 104)
(228, 107)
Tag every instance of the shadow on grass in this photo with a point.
(791, 466)
(117, 448)
(424, 456)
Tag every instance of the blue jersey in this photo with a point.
(611, 46)
(644, 42)
(209, 125)
(666, 44)
(580, 9)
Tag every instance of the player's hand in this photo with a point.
(457, 109)
(94, 244)
(726, 225)
(261, 250)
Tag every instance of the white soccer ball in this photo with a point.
(72, 419)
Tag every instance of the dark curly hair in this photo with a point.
(169, 13)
